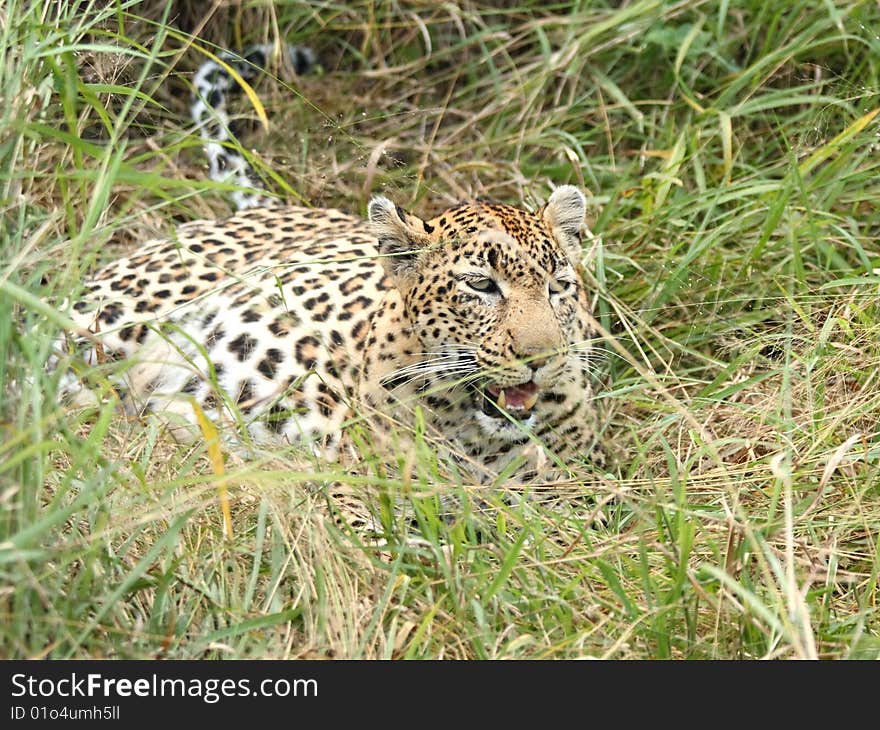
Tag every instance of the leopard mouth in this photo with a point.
(514, 401)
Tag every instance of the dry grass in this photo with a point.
(735, 192)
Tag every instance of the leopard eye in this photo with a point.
(483, 285)
(560, 286)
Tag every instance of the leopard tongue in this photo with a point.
(518, 397)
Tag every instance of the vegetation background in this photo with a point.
(732, 155)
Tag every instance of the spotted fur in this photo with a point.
(288, 324)
(295, 320)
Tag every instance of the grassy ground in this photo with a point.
(733, 158)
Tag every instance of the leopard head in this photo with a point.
(493, 295)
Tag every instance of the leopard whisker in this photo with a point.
(428, 365)
(427, 368)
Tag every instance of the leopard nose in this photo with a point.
(536, 363)
(535, 357)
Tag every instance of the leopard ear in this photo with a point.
(564, 215)
(401, 236)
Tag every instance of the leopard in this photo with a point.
(288, 325)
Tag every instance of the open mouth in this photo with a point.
(515, 400)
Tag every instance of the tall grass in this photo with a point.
(732, 155)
